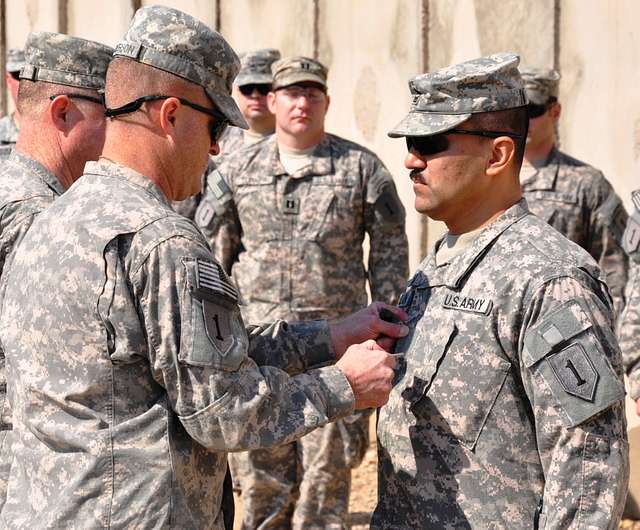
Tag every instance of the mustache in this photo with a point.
(415, 174)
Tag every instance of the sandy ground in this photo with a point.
(364, 492)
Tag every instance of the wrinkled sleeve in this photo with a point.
(385, 223)
(608, 220)
(294, 347)
(217, 217)
(572, 374)
(199, 352)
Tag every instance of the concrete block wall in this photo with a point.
(372, 48)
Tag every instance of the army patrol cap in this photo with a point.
(177, 43)
(255, 67)
(443, 99)
(294, 70)
(541, 84)
(15, 60)
(65, 60)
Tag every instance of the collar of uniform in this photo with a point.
(454, 273)
(321, 160)
(109, 168)
(36, 167)
(545, 178)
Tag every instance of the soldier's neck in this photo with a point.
(538, 154)
(262, 126)
(298, 142)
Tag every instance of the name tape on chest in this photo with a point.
(212, 280)
(470, 304)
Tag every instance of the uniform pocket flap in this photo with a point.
(569, 320)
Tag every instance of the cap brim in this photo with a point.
(301, 77)
(228, 107)
(426, 124)
(253, 79)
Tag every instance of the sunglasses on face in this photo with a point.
(247, 90)
(294, 92)
(535, 111)
(216, 129)
(438, 143)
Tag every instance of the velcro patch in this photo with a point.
(631, 237)
(218, 186)
(635, 197)
(470, 304)
(212, 281)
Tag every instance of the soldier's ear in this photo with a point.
(555, 110)
(502, 153)
(59, 112)
(271, 102)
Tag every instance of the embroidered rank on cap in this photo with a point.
(212, 280)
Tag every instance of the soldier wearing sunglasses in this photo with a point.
(288, 216)
(9, 124)
(507, 411)
(250, 89)
(572, 196)
(62, 127)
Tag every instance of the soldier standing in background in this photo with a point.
(250, 91)
(573, 197)
(508, 411)
(288, 216)
(629, 323)
(9, 124)
(62, 127)
(127, 357)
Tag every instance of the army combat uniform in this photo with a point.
(8, 125)
(507, 412)
(629, 324)
(576, 199)
(294, 246)
(128, 361)
(26, 186)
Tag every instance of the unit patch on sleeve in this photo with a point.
(631, 237)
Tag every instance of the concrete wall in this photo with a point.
(372, 47)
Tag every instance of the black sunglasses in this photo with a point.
(216, 129)
(437, 143)
(93, 99)
(247, 90)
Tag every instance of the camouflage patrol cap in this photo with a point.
(177, 43)
(256, 67)
(65, 60)
(294, 70)
(443, 99)
(15, 60)
(540, 84)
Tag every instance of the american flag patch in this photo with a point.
(211, 278)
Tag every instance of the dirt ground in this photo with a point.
(364, 488)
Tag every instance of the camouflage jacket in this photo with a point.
(8, 135)
(232, 140)
(579, 202)
(294, 242)
(26, 189)
(629, 322)
(510, 396)
(129, 367)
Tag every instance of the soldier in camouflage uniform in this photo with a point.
(507, 412)
(573, 197)
(629, 323)
(58, 136)
(126, 353)
(9, 123)
(250, 90)
(288, 216)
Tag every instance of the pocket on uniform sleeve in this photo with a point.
(565, 351)
(212, 331)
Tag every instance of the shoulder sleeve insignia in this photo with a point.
(631, 237)
(635, 197)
